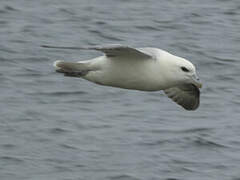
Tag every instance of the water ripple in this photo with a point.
(203, 142)
(7, 9)
(58, 131)
(11, 159)
(61, 93)
(123, 177)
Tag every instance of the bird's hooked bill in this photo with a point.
(196, 81)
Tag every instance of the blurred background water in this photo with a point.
(59, 128)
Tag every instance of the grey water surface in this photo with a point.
(60, 128)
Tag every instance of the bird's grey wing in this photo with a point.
(121, 51)
(113, 50)
(187, 95)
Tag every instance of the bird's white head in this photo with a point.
(184, 72)
(187, 72)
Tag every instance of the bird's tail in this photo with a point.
(74, 69)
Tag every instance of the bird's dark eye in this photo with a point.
(184, 69)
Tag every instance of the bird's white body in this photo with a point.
(133, 73)
(123, 73)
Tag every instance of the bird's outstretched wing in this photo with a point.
(113, 50)
(186, 95)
